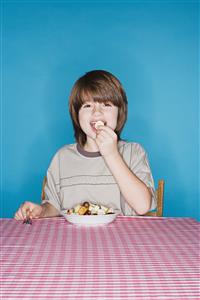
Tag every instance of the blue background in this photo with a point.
(152, 47)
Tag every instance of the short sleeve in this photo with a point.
(52, 186)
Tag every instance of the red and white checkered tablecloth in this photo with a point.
(131, 258)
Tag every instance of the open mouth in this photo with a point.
(96, 124)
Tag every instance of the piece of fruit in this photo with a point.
(86, 204)
(98, 124)
(82, 210)
(76, 208)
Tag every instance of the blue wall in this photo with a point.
(152, 47)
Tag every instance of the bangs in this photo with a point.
(99, 92)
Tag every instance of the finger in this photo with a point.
(103, 135)
(100, 139)
(27, 205)
(28, 214)
(26, 208)
(24, 213)
(17, 216)
(107, 130)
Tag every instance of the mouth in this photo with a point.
(96, 124)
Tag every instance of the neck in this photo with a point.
(90, 146)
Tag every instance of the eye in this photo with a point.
(108, 104)
(86, 105)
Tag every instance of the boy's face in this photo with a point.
(91, 112)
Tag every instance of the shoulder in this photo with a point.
(64, 151)
(134, 155)
(130, 147)
(67, 149)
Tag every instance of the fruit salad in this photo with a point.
(87, 208)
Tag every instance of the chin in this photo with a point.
(91, 136)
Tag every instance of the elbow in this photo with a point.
(143, 210)
(146, 205)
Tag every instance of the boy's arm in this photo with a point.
(135, 192)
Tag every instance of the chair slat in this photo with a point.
(160, 198)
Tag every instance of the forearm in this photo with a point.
(135, 192)
(48, 210)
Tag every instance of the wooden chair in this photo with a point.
(43, 185)
(160, 196)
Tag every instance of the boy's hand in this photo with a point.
(106, 140)
(28, 210)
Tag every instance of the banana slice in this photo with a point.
(98, 124)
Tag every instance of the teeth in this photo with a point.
(98, 124)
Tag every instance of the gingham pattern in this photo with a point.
(131, 258)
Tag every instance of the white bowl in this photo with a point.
(90, 219)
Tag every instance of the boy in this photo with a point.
(100, 167)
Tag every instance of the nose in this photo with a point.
(97, 109)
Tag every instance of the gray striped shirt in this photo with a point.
(75, 176)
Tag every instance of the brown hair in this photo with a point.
(100, 86)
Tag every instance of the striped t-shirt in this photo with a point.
(75, 176)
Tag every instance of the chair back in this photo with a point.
(160, 199)
(43, 185)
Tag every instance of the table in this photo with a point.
(131, 258)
